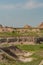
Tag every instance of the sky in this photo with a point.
(18, 13)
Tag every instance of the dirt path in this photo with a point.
(41, 63)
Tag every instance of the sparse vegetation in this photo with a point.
(21, 34)
(38, 54)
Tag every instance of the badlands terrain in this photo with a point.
(21, 54)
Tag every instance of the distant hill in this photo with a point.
(27, 26)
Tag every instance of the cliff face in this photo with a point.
(41, 25)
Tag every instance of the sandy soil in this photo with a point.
(28, 54)
(25, 59)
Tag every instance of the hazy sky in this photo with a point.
(18, 13)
